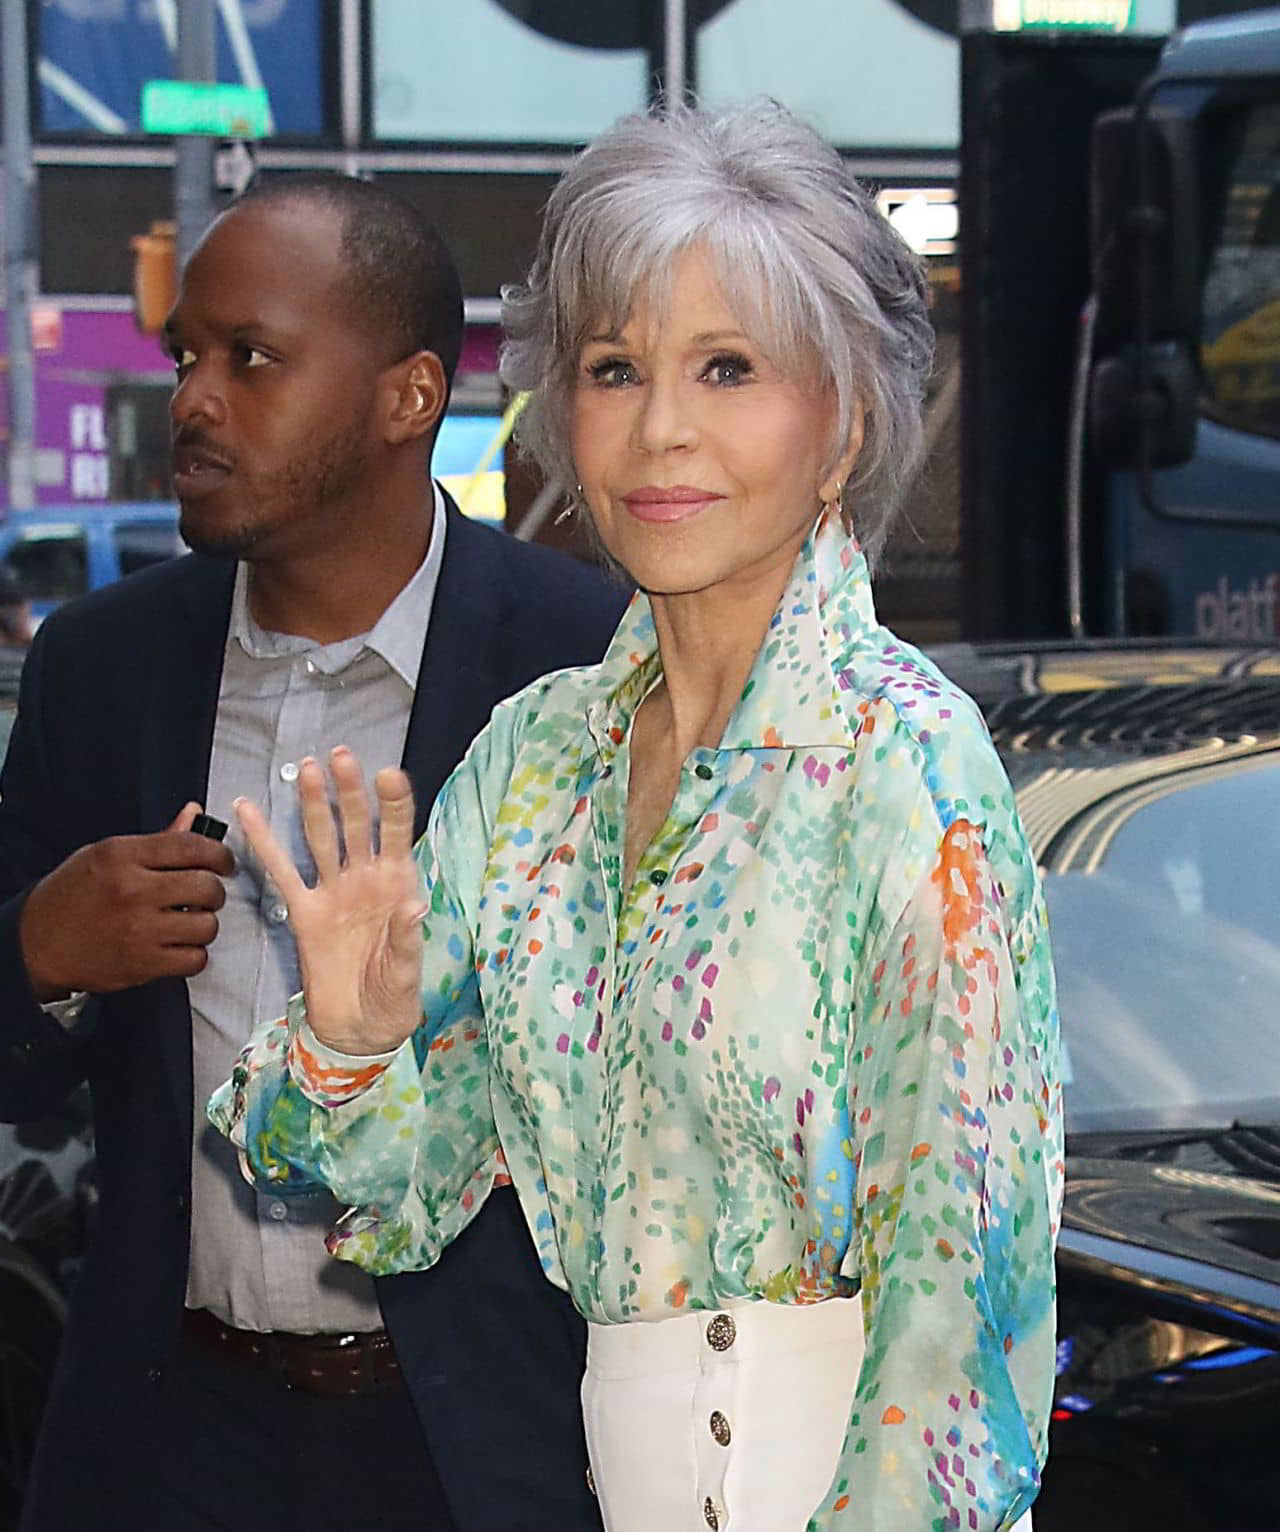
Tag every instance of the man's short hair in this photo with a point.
(399, 269)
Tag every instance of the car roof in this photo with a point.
(1173, 688)
(1088, 730)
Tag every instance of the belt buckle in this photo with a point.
(307, 1369)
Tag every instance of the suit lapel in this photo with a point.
(182, 701)
(461, 676)
(176, 737)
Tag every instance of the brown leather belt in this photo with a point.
(329, 1366)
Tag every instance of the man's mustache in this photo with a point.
(191, 439)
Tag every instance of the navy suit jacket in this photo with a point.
(113, 735)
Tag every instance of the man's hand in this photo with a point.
(125, 910)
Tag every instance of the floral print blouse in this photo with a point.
(811, 1050)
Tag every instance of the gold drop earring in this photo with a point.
(573, 505)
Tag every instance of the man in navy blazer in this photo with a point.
(315, 338)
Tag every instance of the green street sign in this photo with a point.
(1090, 15)
(189, 106)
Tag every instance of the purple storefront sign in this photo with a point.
(82, 348)
(80, 351)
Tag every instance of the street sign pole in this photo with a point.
(19, 257)
(193, 162)
(676, 50)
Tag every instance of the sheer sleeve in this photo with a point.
(405, 1140)
(956, 1104)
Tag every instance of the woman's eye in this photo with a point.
(250, 356)
(728, 368)
(612, 372)
(183, 359)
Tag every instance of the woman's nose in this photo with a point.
(665, 418)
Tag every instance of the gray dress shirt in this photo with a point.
(259, 1262)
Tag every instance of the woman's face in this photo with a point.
(701, 464)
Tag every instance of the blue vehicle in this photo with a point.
(1122, 333)
(63, 551)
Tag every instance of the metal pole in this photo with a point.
(193, 161)
(19, 256)
(675, 50)
(352, 78)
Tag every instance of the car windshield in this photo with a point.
(1165, 917)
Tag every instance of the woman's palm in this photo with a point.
(358, 928)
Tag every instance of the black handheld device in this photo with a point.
(206, 824)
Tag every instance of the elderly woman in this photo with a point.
(729, 950)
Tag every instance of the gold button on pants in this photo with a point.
(730, 1419)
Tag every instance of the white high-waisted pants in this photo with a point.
(730, 1420)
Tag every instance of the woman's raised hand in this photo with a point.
(357, 930)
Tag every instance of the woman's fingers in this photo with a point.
(268, 850)
(395, 812)
(395, 808)
(317, 819)
(353, 804)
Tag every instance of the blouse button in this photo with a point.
(721, 1332)
(720, 1428)
(710, 1514)
(657, 877)
(702, 770)
(591, 1480)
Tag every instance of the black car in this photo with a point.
(1149, 784)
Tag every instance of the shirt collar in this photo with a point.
(792, 698)
(397, 636)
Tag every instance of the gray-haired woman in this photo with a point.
(730, 950)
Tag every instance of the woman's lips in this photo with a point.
(668, 503)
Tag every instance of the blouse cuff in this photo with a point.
(329, 1078)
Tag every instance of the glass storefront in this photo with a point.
(866, 75)
(445, 72)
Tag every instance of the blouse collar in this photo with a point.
(792, 697)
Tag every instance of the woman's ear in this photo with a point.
(416, 392)
(831, 488)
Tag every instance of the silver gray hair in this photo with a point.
(818, 278)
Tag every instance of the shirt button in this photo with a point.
(657, 877)
(711, 1513)
(720, 1428)
(278, 1211)
(721, 1332)
(289, 771)
(311, 667)
(278, 914)
(702, 770)
(591, 1480)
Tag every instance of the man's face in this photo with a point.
(274, 416)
